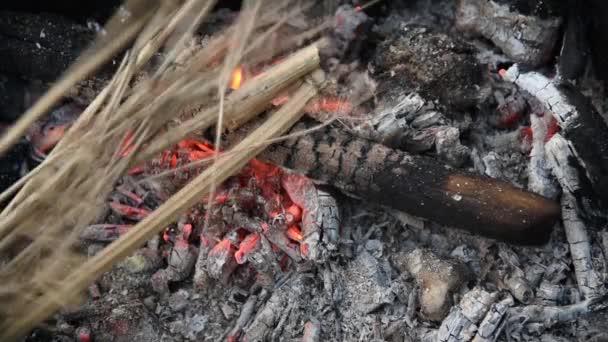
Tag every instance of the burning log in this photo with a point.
(579, 122)
(418, 185)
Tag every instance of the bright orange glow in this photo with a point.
(296, 212)
(329, 105)
(126, 146)
(237, 78)
(246, 246)
(294, 233)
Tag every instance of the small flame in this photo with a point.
(294, 233)
(237, 78)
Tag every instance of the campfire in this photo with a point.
(304, 171)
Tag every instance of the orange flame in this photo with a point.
(237, 78)
(294, 233)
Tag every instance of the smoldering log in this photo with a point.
(580, 123)
(418, 185)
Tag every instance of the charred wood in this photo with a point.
(461, 323)
(418, 185)
(588, 279)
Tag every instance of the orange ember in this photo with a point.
(296, 212)
(237, 78)
(329, 105)
(294, 233)
(246, 246)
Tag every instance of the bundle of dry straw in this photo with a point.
(44, 269)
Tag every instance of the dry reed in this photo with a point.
(45, 269)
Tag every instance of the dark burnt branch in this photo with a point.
(418, 185)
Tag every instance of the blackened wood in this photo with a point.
(574, 53)
(588, 133)
(418, 185)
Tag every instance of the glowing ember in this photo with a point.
(130, 212)
(552, 129)
(221, 248)
(294, 233)
(248, 244)
(295, 212)
(510, 119)
(237, 78)
(127, 146)
(329, 105)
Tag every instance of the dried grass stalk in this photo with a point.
(227, 165)
(40, 227)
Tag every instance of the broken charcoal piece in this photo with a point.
(519, 288)
(221, 262)
(436, 64)
(461, 323)
(437, 277)
(493, 324)
(449, 148)
(526, 39)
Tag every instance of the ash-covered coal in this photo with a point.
(434, 63)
